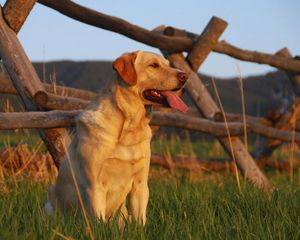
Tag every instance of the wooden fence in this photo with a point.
(51, 110)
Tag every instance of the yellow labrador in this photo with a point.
(109, 156)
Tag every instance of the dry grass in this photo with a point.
(241, 85)
(74, 177)
(21, 162)
(228, 133)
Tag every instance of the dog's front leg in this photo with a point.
(139, 197)
(97, 198)
(91, 163)
(123, 217)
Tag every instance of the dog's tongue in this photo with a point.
(174, 101)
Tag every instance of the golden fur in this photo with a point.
(110, 152)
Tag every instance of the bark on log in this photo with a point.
(294, 78)
(219, 129)
(277, 60)
(235, 117)
(258, 57)
(211, 165)
(57, 118)
(51, 119)
(7, 87)
(117, 25)
(170, 44)
(16, 11)
(209, 108)
(69, 92)
(52, 101)
(205, 42)
(27, 84)
(286, 121)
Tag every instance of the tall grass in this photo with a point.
(178, 209)
(183, 146)
(228, 133)
(241, 86)
(213, 208)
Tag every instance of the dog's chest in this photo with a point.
(133, 145)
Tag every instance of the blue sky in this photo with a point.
(263, 25)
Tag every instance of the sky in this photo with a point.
(262, 25)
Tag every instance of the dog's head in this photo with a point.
(152, 78)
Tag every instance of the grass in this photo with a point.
(212, 208)
(178, 209)
(15, 138)
(176, 146)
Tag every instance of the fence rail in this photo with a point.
(66, 103)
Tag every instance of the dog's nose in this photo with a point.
(182, 77)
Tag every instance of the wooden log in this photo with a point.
(194, 123)
(51, 119)
(70, 92)
(27, 84)
(235, 117)
(219, 129)
(258, 57)
(15, 12)
(118, 25)
(205, 42)
(170, 44)
(233, 145)
(294, 78)
(284, 122)
(7, 87)
(58, 118)
(209, 109)
(18, 65)
(212, 165)
(196, 89)
(278, 60)
(52, 101)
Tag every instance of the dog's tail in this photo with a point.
(49, 208)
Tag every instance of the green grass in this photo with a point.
(14, 138)
(176, 146)
(178, 209)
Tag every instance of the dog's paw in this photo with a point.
(49, 208)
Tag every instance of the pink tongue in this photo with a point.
(174, 101)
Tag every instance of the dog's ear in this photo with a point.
(124, 65)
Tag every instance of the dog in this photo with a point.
(109, 156)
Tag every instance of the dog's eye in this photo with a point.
(154, 65)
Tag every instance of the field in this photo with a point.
(178, 209)
(210, 207)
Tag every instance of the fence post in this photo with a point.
(206, 104)
(287, 120)
(25, 79)
(15, 12)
